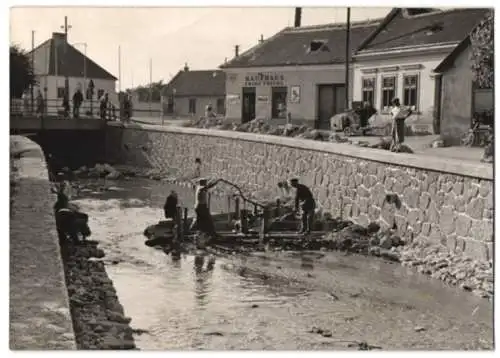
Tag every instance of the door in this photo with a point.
(331, 101)
(248, 104)
(326, 106)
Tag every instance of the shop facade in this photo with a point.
(308, 94)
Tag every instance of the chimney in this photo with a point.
(59, 37)
(236, 50)
(298, 16)
(261, 39)
(186, 67)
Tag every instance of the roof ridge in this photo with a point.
(335, 25)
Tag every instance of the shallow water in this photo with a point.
(271, 300)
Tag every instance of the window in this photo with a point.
(368, 89)
(60, 92)
(100, 93)
(278, 106)
(192, 106)
(388, 92)
(221, 107)
(317, 45)
(410, 91)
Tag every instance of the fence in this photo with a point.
(54, 107)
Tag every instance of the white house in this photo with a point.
(398, 60)
(54, 60)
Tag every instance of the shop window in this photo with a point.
(368, 90)
(60, 92)
(410, 91)
(388, 92)
(192, 106)
(279, 96)
(221, 106)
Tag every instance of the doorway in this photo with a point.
(331, 101)
(248, 104)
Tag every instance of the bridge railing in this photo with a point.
(23, 108)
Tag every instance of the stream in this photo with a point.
(271, 300)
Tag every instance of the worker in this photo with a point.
(170, 207)
(203, 221)
(305, 198)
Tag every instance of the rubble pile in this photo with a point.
(455, 269)
(98, 318)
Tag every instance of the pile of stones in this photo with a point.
(98, 318)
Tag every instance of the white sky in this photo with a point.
(171, 36)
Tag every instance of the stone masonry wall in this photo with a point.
(442, 200)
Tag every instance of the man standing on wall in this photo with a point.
(305, 198)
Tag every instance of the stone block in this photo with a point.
(436, 235)
(363, 220)
(355, 210)
(411, 197)
(398, 187)
(458, 188)
(358, 179)
(388, 183)
(476, 250)
(373, 213)
(426, 229)
(482, 230)
(413, 216)
(387, 213)
(463, 225)
(347, 211)
(424, 201)
(485, 188)
(439, 199)
(460, 244)
(432, 214)
(447, 220)
(450, 199)
(432, 189)
(475, 208)
(490, 251)
(451, 242)
(470, 191)
(363, 192)
(401, 224)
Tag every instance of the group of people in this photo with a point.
(304, 203)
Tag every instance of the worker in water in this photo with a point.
(203, 221)
(305, 199)
(170, 207)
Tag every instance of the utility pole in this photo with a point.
(119, 69)
(66, 27)
(32, 68)
(150, 84)
(347, 57)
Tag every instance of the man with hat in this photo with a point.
(203, 219)
(305, 198)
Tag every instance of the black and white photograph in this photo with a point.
(265, 176)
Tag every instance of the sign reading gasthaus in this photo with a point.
(264, 79)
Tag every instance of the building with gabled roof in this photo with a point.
(398, 60)
(189, 92)
(55, 59)
(299, 71)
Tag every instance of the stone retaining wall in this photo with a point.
(440, 199)
(39, 307)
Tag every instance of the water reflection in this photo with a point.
(203, 279)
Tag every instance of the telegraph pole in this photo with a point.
(66, 27)
(32, 67)
(150, 84)
(347, 57)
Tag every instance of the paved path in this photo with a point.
(39, 308)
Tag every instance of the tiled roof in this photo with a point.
(399, 29)
(70, 61)
(197, 83)
(291, 46)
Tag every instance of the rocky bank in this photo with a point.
(99, 321)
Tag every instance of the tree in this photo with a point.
(482, 56)
(21, 72)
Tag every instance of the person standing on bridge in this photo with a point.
(103, 105)
(77, 102)
(305, 198)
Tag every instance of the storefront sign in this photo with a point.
(263, 99)
(233, 99)
(264, 79)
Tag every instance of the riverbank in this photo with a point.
(428, 258)
(39, 307)
(98, 317)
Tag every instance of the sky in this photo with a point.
(170, 36)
